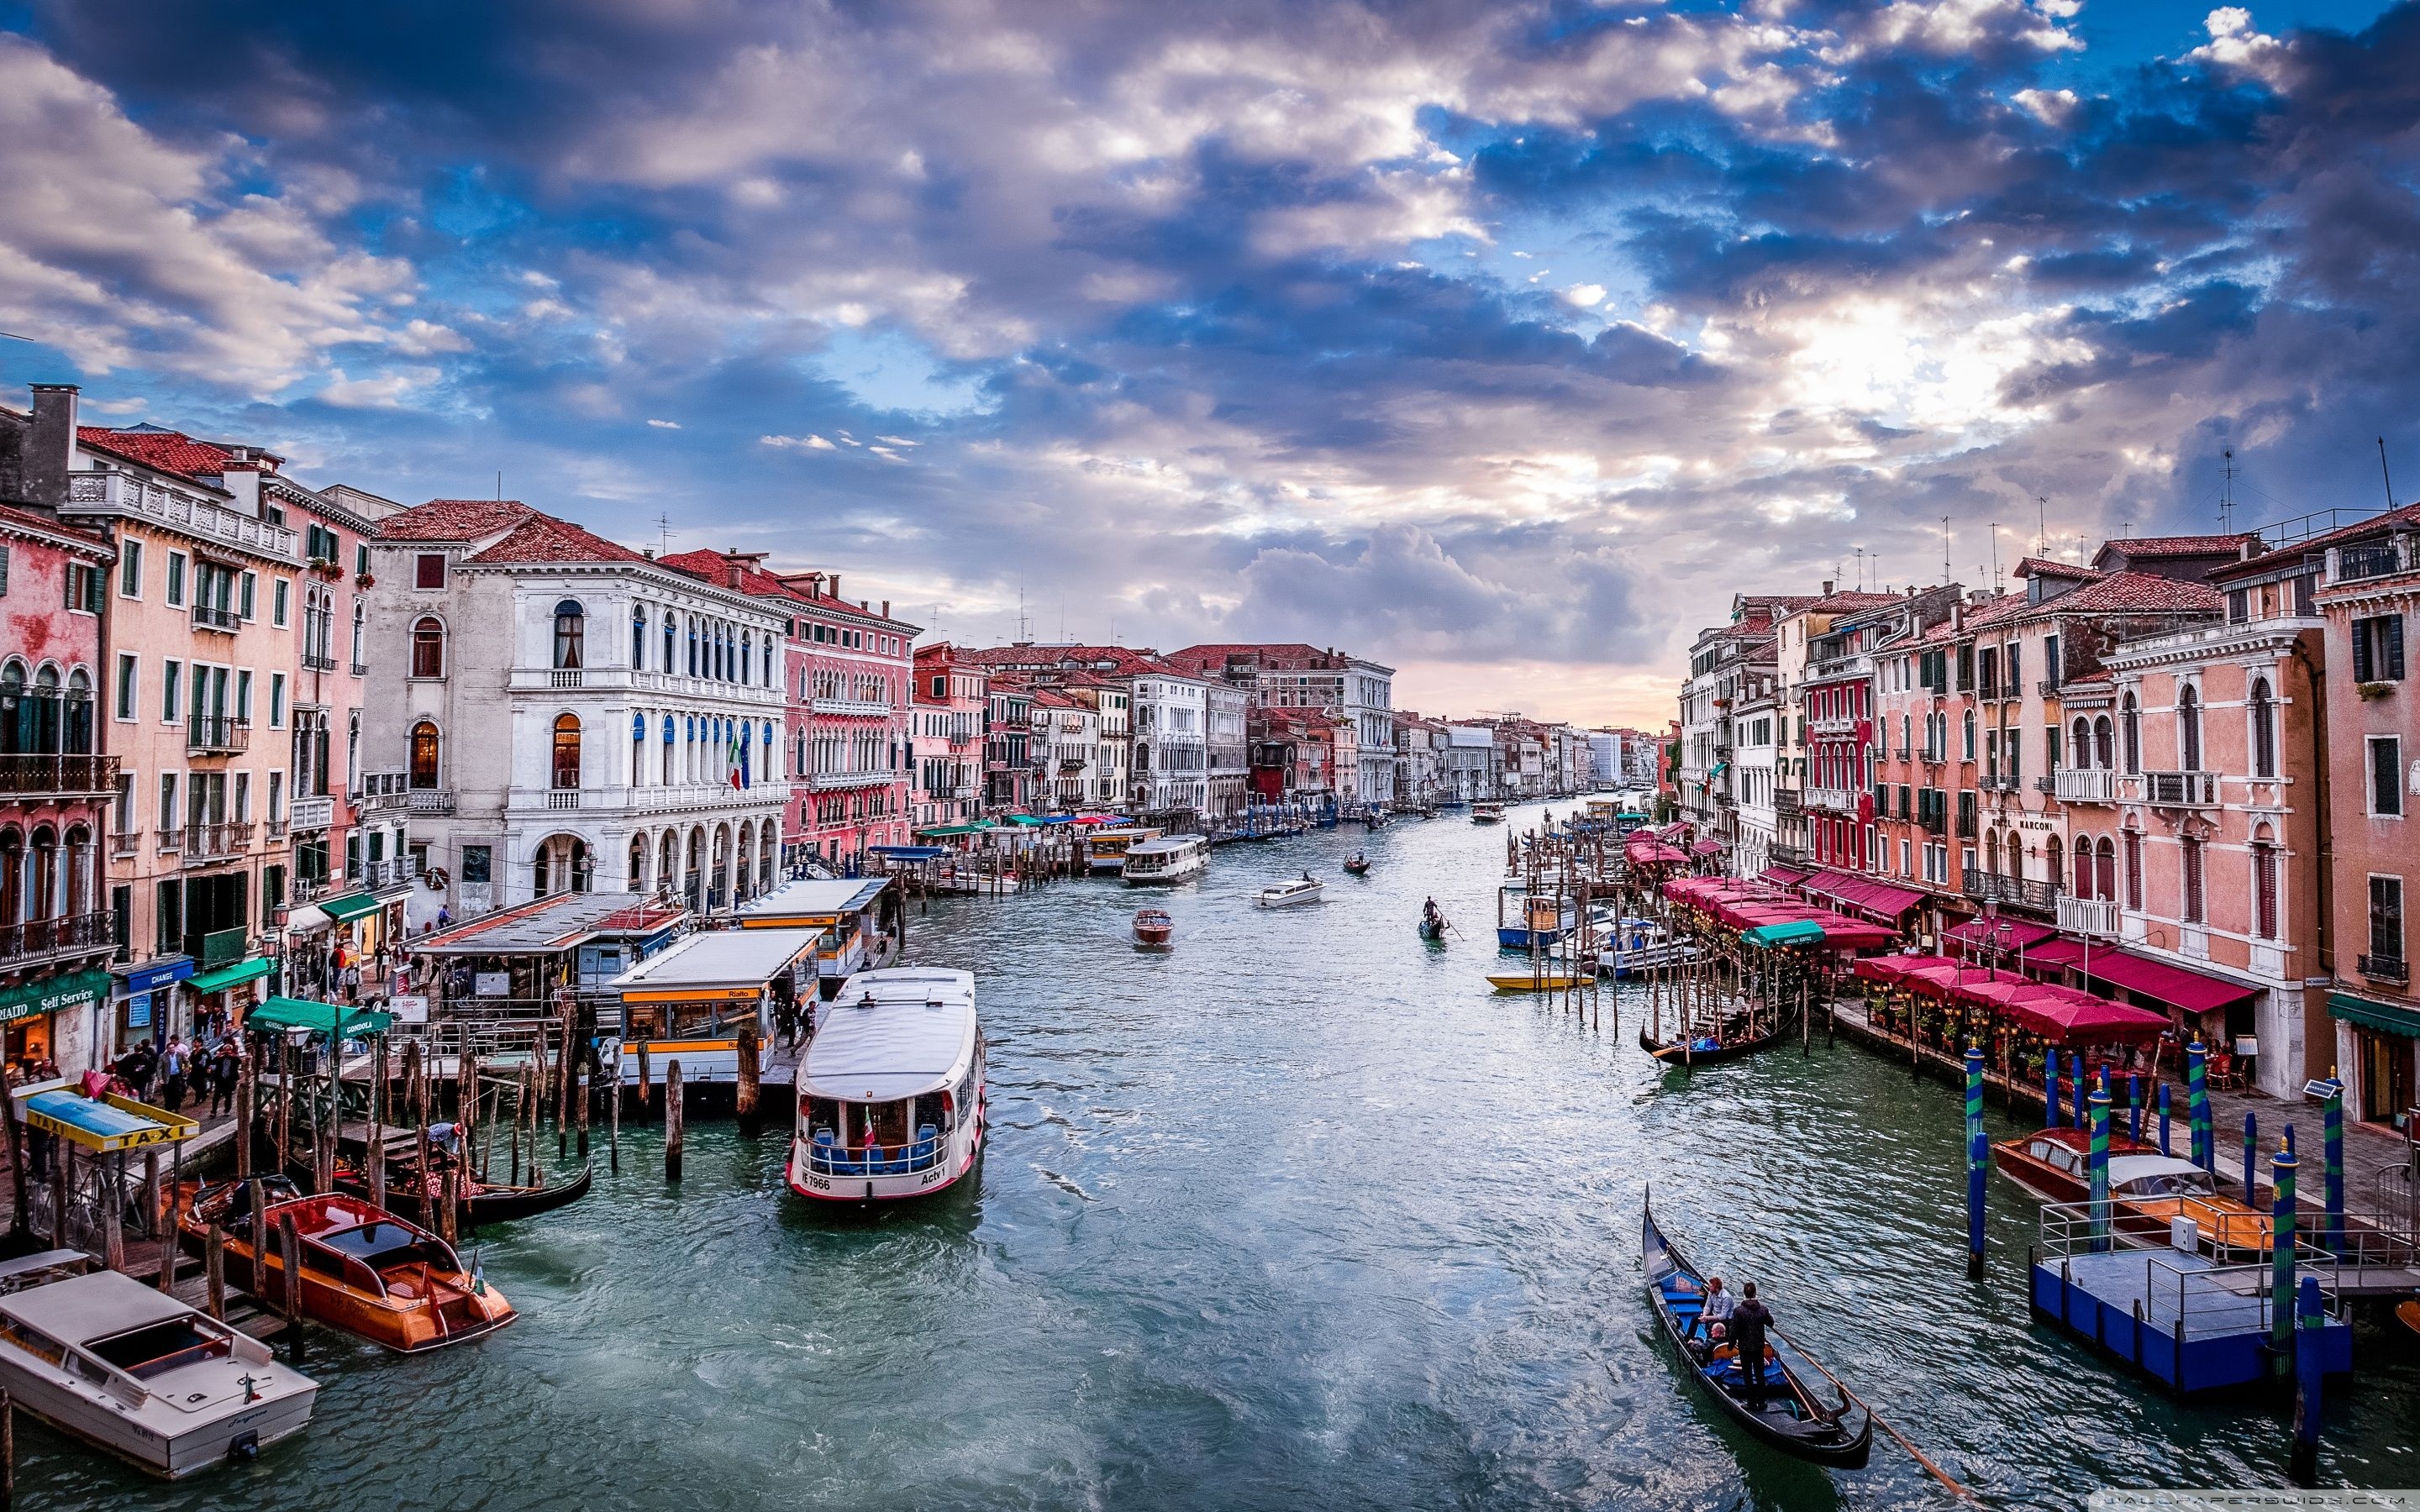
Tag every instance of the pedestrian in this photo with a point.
(227, 1068)
(354, 983)
(172, 1066)
(1749, 1320)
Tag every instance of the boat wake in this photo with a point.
(1064, 1184)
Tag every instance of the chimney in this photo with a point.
(886, 609)
(833, 587)
(1957, 616)
(1827, 588)
(50, 444)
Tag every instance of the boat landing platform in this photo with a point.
(2182, 1318)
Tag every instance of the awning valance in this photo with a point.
(2173, 986)
(234, 976)
(2006, 933)
(351, 906)
(320, 1018)
(53, 994)
(2387, 1018)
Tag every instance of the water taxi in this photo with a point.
(1303, 889)
(2149, 1191)
(1153, 926)
(364, 1270)
(1169, 858)
(1487, 814)
(1104, 850)
(890, 1091)
(161, 1384)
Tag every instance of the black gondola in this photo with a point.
(1357, 863)
(1695, 1052)
(483, 1205)
(1789, 1419)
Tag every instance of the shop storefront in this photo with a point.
(147, 998)
(30, 1014)
(222, 995)
(2380, 1042)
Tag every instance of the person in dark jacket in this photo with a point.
(1749, 1323)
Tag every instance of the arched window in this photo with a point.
(424, 755)
(747, 657)
(2103, 754)
(360, 624)
(2105, 871)
(2080, 752)
(428, 647)
(581, 866)
(541, 872)
(1992, 853)
(570, 634)
(693, 645)
(2188, 730)
(42, 888)
(672, 645)
(638, 651)
(77, 738)
(1968, 750)
(2264, 729)
(566, 750)
(2130, 718)
(2083, 868)
(637, 862)
(2055, 866)
(669, 747)
(638, 752)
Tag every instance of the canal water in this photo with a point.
(1296, 1214)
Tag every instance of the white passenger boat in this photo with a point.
(1169, 858)
(1104, 850)
(1635, 947)
(1303, 889)
(113, 1362)
(1487, 814)
(890, 1091)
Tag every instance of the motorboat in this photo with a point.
(1544, 922)
(133, 1371)
(1554, 979)
(1635, 947)
(1487, 814)
(1785, 1413)
(1153, 926)
(2148, 1191)
(1167, 858)
(890, 1091)
(1303, 889)
(1104, 850)
(364, 1270)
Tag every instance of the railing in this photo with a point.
(831, 781)
(864, 708)
(307, 814)
(215, 617)
(2089, 916)
(315, 661)
(379, 874)
(2385, 968)
(564, 677)
(2368, 560)
(2086, 784)
(563, 797)
(222, 734)
(1831, 727)
(2046, 784)
(1934, 823)
(54, 776)
(2014, 892)
(103, 492)
(208, 843)
(429, 800)
(1842, 799)
(277, 829)
(361, 669)
(26, 943)
(929, 1150)
(680, 798)
(2183, 1299)
(2181, 790)
(169, 840)
(1786, 855)
(1788, 801)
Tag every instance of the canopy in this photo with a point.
(2006, 933)
(2061, 1014)
(1797, 931)
(110, 1123)
(320, 1018)
(234, 976)
(309, 918)
(1865, 894)
(351, 906)
(909, 853)
(2188, 990)
(1782, 876)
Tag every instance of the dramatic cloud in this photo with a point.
(1503, 342)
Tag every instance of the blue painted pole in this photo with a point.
(2054, 1106)
(2164, 1121)
(2100, 1170)
(2281, 1251)
(2251, 1154)
(2198, 1105)
(2134, 1108)
(2310, 1373)
(1977, 1153)
(2076, 1071)
(2331, 1150)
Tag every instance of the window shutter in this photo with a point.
(2393, 627)
(2361, 660)
(3, 572)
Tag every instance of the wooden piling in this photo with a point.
(112, 1175)
(21, 1212)
(466, 1102)
(643, 1075)
(585, 1094)
(673, 1122)
(521, 1116)
(449, 1189)
(289, 1244)
(567, 1015)
(214, 1273)
(374, 1152)
(745, 1106)
(245, 1096)
(613, 1106)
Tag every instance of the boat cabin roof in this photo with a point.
(1167, 845)
(724, 958)
(891, 1034)
(85, 1307)
(2126, 1168)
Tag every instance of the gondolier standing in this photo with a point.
(1749, 1323)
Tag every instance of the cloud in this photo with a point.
(665, 425)
(810, 442)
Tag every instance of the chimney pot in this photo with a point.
(835, 588)
(1827, 588)
(49, 443)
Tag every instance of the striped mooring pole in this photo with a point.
(2332, 1153)
(1977, 1147)
(2251, 1155)
(2310, 1371)
(2075, 1071)
(2134, 1107)
(2164, 1120)
(2281, 1263)
(2205, 1153)
(2054, 1106)
(2101, 1168)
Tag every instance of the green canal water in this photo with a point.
(1296, 1214)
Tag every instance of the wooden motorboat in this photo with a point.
(2148, 1191)
(364, 1270)
(1552, 979)
(127, 1369)
(417, 1197)
(1303, 889)
(1703, 1049)
(1788, 1416)
(1357, 864)
(1153, 926)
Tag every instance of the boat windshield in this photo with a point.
(381, 1246)
(2171, 1184)
(159, 1347)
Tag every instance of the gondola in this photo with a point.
(1698, 1052)
(1789, 1419)
(1357, 864)
(1433, 930)
(481, 1206)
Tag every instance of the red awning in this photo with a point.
(2190, 991)
(2009, 934)
(1782, 876)
(1708, 847)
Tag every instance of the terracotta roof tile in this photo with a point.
(173, 451)
(2045, 567)
(2175, 546)
(544, 538)
(454, 519)
(2406, 515)
(2138, 593)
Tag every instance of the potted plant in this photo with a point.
(365, 581)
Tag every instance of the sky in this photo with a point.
(1502, 342)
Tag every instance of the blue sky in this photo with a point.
(1503, 342)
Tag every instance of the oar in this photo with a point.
(1914, 1453)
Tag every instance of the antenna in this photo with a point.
(2226, 494)
(500, 482)
(1995, 556)
(2041, 524)
(1861, 568)
(1023, 633)
(1946, 573)
(2382, 472)
(663, 535)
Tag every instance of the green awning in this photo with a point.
(351, 906)
(53, 994)
(1797, 931)
(939, 831)
(304, 1013)
(2371, 1014)
(234, 976)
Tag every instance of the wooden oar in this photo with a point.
(1914, 1453)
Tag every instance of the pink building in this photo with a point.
(947, 717)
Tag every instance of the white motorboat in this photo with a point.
(1169, 858)
(1635, 947)
(101, 1356)
(1303, 889)
(890, 1091)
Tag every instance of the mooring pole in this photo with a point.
(2310, 1368)
(673, 1122)
(2100, 1201)
(2281, 1261)
(1976, 1149)
(2332, 1155)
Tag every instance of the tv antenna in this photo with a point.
(1861, 568)
(2383, 475)
(664, 534)
(2226, 493)
(2041, 525)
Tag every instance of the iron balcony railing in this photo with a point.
(215, 617)
(57, 775)
(1789, 802)
(2368, 560)
(206, 843)
(36, 939)
(2181, 790)
(316, 661)
(2385, 968)
(2012, 892)
(217, 734)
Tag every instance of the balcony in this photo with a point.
(2089, 916)
(843, 781)
(215, 617)
(429, 800)
(2085, 784)
(564, 676)
(650, 800)
(379, 874)
(361, 669)
(2048, 687)
(1839, 800)
(1788, 803)
(56, 776)
(1934, 823)
(2013, 892)
(209, 844)
(217, 734)
(1827, 728)
(2181, 790)
(303, 815)
(1786, 855)
(2378, 559)
(119, 493)
(317, 662)
(2046, 784)
(38, 940)
(851, 708)
(2386, 968)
